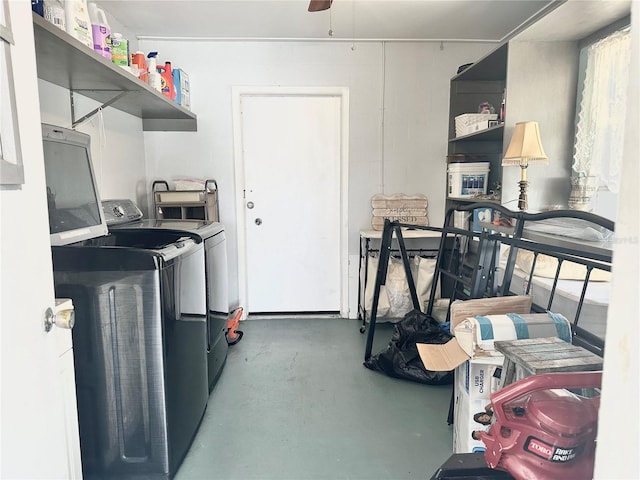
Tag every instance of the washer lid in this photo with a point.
(200, 227)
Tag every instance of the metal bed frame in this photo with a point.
(468, 262)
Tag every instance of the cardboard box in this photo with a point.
(464, 424)
(474, 336)
(462, 309)
(479, 377)
(181, 84)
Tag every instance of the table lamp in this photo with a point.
(525, 147)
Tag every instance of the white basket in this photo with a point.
(472, 122)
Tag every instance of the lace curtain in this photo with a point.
(601, 118)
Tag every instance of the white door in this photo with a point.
(33, 443)
(291, 210)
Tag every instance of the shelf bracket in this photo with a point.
(109, 102)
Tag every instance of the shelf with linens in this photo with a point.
(64, 61)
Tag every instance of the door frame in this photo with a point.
(237, 93)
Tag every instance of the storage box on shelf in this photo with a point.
(468, 123)
(467, 180)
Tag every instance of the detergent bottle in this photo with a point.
(77, 21)
(141, 64)
(100, 31)
(166, 79)
(155, 81)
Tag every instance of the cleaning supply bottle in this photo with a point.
(100, 31)
(54, 13)
(155, 81)
(139, 61)
(38, 7)
(167, 81)
(77, 21)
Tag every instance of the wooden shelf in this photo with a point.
(65, 62)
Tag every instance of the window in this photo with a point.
(11, 169)
(600, 123)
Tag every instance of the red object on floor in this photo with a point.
(543, 431)
(233, 334)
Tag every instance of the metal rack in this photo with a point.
(366, 249)
(465, 266)
(186, 204)
(468, 262)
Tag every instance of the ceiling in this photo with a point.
(446, 20)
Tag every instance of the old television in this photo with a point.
(75, 212)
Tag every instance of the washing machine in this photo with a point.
(125, 215)
(139, 339)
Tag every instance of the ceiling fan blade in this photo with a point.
(319, 5)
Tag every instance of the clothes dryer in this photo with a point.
(125, 215)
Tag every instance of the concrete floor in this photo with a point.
(295, 402)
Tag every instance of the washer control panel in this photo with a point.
(117, 212)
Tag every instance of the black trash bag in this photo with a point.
(401, 358)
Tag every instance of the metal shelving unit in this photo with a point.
(186, 204)
(65, 62)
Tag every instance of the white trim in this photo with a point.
(237, 92)
(155, 38)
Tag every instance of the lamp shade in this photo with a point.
(525, 146)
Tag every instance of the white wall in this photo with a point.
(117, 143)
(541, 86)
(618, 434)
(408, 158)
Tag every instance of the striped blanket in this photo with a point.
(477, 334)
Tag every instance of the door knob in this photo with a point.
(62, 319)
(250, 205)
(258, 221)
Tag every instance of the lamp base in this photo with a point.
(522, 199)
